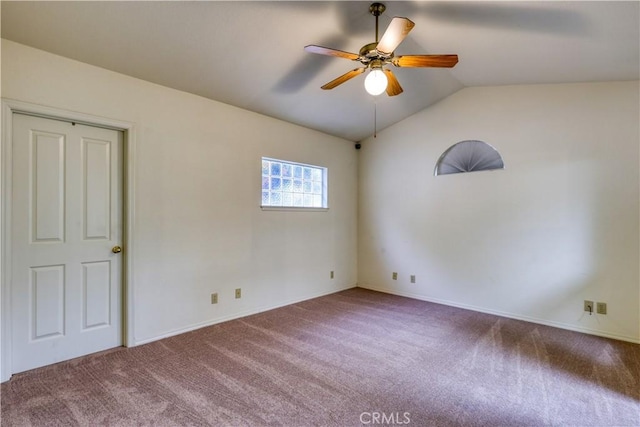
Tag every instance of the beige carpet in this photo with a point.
(353, 358)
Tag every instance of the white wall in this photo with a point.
(198, 225)
(559, 225)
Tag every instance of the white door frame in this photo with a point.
(9, 107)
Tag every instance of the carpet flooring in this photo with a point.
(353, 358)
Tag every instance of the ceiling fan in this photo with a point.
(380, 53)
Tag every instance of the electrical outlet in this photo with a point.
(601, 307)
(331, 274)
(214, 298)
(588, 306)
(394, 275)
(413, 278)
(238, 293)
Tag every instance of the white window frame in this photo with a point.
(324, 196)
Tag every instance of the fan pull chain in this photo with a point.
(375, 119)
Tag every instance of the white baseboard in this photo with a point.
(635, 340)
(246, 313)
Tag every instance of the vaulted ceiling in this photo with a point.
(250, 54)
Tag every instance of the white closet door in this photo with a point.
(66, 287)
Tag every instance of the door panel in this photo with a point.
(66, 287)
(47, 302)
(46, 191)
(96, 178)
(96, 291)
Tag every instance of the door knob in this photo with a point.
(116, 249)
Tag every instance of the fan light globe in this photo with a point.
(376, 82)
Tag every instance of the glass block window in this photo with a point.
(293, 185)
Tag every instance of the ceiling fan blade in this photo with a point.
(395, 33)
(445, 61)
(343, 78)
(393, 86)
(331, 52)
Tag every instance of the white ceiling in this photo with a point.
(250, 54)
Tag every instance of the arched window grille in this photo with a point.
(468, 156)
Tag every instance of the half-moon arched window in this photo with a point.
(468, 156)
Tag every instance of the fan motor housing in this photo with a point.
(369, 53)
(369, 50)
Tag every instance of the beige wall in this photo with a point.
(559, 225)
(198, 224)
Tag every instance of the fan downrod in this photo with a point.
(376, 9)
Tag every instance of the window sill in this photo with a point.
(293, 209)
